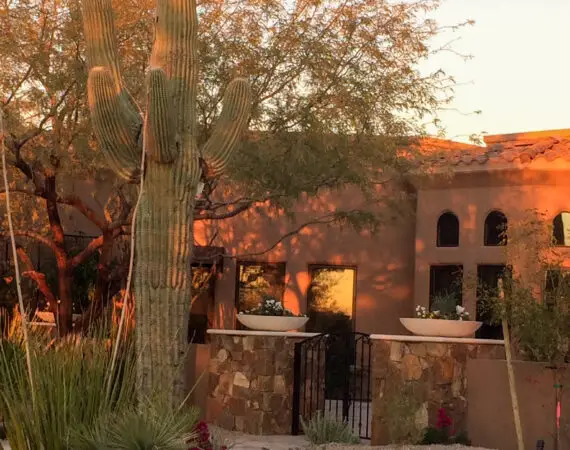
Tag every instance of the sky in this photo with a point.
(519, 76)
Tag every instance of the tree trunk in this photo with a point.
(101, 294)
(64, 308)
(163, 282)
(64, 319)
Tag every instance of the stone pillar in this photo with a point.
(251, 382)
(411, 381)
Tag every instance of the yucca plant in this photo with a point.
(321, 429)
(73, 388)
(150, 426)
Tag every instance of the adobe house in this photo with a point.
(461, 212)
(455, 236)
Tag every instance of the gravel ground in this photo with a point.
(249, 442)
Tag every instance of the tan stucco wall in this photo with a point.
(471, 199)
(384, 261)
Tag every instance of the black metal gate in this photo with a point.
(332, 377)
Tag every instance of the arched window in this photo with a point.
(448, 230)
(561, 229)
(495, 229)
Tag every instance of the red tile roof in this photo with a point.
(511, 148)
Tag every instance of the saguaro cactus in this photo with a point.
(174, 167)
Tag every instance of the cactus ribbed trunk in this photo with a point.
(174, 166)
(162, 282)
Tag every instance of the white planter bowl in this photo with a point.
(441, 327)
(271, 323)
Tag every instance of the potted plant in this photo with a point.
(445, 319)
(270, 315)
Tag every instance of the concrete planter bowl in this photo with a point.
(441, 327)
(271, 323)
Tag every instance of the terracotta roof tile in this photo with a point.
(522, 148)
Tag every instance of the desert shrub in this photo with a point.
(72, 387)
(147, 427)
(207, 439)
(443, 432)
(321, 429)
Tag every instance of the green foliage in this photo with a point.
(73, 388)
(321, 429)
(401, 404)
(148, 427)
(433, 436)
(540, 330)
(442, 433)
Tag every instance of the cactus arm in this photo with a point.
(116, 117)
(175, 50)
(229, 126)
(107, 106)
(159, 127)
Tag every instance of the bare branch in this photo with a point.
(93, 246)
(36, 237)
(77, 203)
(33, 274)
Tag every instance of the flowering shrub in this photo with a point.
(206, 441)
(459, 314)
(443, 432)
(269, 307)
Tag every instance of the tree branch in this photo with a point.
(93, 246)
(35, 236)
(77, 203)
(38, 277)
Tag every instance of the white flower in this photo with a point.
(459, 309)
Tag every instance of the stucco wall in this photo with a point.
(384, 261)
(471, 204)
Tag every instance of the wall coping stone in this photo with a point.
(378, 337)
(447, 340)
(290, 334)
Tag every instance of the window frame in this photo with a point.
(564, 272)
(556, 244)
(502, 241)
(438, 230)
(257, 263)
(315, 266)
(431, 277)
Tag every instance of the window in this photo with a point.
(446, 286)
(495, 233)
(331, 299)
(488, 277)
(257, 280)
(202, 303)
(556, 287)
(448, 230)
(561, 229)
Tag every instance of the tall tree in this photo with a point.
(42, 83)
(335, 85)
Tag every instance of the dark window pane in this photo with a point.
(488, 277)
(331, 299)
(259, 280)
(556, 287)
(561, 229)
(446, 282)
(448, 230)
(495, 233)
(202, 306)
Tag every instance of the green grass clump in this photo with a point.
(325, 430)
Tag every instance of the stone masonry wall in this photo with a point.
(413, 380)
(251, 383)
